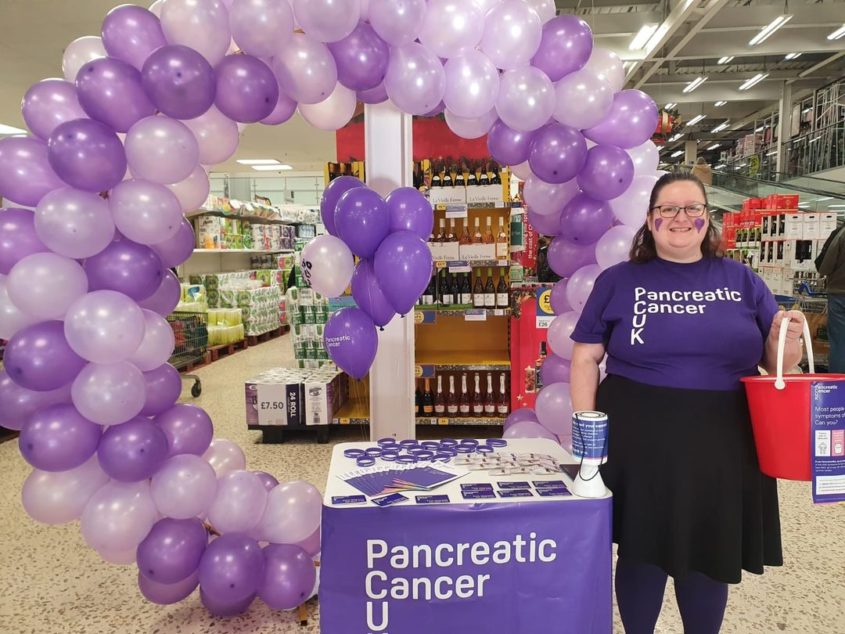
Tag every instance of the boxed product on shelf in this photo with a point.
(295, 397)
(209, 230)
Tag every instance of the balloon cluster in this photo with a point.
(388, 236)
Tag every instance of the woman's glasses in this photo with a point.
(670, 211)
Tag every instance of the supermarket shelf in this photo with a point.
(473, 263)
(358, 413)
(460, 311)
(355, 412)
(469, 421)
(225, 251)
(236, 216)
(476, 360)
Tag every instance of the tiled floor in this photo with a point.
(50, 582)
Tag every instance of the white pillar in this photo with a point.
(690, 152)
(389, 157)
(784, 125)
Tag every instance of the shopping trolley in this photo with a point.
(190, 331)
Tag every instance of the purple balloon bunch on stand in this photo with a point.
(388, 235)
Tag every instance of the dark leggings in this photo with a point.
(639, 594)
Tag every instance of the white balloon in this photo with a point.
(184, 487)
(327, 20)
(239, 503)
(44, 285)
(193, 191)
(606, 65)
(471, 128)
(202, 25)
(79, 52)
(451, 27)
(582, 99)
(11, 317)
(327, 265)
(60, 497)
(522, 171)
(631, 208)
(118, 517)
(224, 456)
(332, 113)
(216, 134)
(546, 9)
(645, 158)
(613, 247)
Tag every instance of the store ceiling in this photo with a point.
(691, 36)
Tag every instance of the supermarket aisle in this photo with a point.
(50, 582)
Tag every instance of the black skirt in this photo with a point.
(688, 494)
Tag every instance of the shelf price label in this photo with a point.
(545, 314)
(271, 403)
(476, 314)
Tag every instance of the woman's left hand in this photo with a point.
(795, 328)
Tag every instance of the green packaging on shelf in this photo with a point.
(213, 297)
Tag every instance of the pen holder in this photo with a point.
(589, 445)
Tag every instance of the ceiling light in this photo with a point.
(840, 32)
(725, 60)
(258, 161)
(7, 129)
(677, 153)
(748, 83)
(695, 83)
(760, 129)
(770, 28)
(714, 146)
(642, 37)
(792, 56)
(675, 138)
(719, 104)
(721, 126)
(835, 206)
(669, 106)
(696, 119)
(271, 168)
(818, 200)
(721, 166)
(814, 139)
(772, 153)
(806, 110)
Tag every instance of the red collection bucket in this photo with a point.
(780, 415)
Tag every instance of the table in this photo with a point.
(503, 566)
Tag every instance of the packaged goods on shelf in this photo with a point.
(308, 313)
(295, 397)
(261, 210)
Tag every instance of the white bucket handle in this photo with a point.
(784, 324)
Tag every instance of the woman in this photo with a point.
(680, 326)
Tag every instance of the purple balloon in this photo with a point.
(111, 92)
(165, 299)
(403, 266)
(584, 219)
(164, 386)
(17, 404)
(361, 58)
(127, 267)
(374, 95)
(225, 609)
(284, 110)
(231, 568)
(131, 33)
(18, 238)
(607, 172)
(176, 250)
(558, 299)
(520, 415)
(58, 438)
(369, 296)
(351, 341)
(631, 121)
(331, 195)
(566, 257)
(362, 220)
(528, 429)
(247, 90)
(565, 47)
(132, 451)
(188, 429)
(172, 550)
(555, 369)
(508, 146)
(25, 171)
(266, 479)
(410, 211)
(547, 225)
(87, 154)
(289, 576)
(50, 103)
(167, 593)
(557, 153)
(39, 358)
(180, 82)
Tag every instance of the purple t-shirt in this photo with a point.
(701, 325)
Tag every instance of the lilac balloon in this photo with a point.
(645, 158)
(292, 514)
(166, 298)
(327, 265)
(565, 46)
(225, 609)
(202, 25)
(558, 336)
(259, 26)
(188, 429)
(472, 84)
(167, 593)
(585, 219)
(631, 208)
(311, 544)
(163, 387)
(231, 568)
(327, 20)
(397, 22)
(305, 68)
(558, 153)
(58, 438)
(545, 225)
(267, 480)
(544, 198)
(528, 429)
(60, 497)
(512, 34)
(508, 146)
(39, 358)
(369, 296)
(284, 110)
(566, 257)
(109, 394)
(471, 128)
(526, 98)
(87, 155)
(410, 211)
(583, 99)
(17, 404)
(554, 408)
(607, 172)
(334, 112)
(145, 212)
(157, 345)
(555, 369)
(161, 150)
(403, 266)
(132, 451)
(172, 550)
(614, 246)
(217, 136)
(374, 95)
(127, 267)
(581, 285)
(74, 223)
(44, 285)
(239, 503)
(224, 456)
(111, 92)
(331, 195)
(118, 517)
(289, 576)
(12, 319)
(79, 52)
(520, 415)
(131, 33)
(104, 326)
(631, 121)
(48, 104)
(558, 299)
(247, 90)
(607, 66)
(18, 237)
(362, 220)
(177, 249)
(25, 171)
(192, 192)
(179, 81)
(184, 487)
(361, 58)
(415, 80)
(351, 341)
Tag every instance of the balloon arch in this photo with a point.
(118, 151)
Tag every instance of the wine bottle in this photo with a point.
(489, 291)
(485, 178)
(447, 296)
(489, 397)
(428, 294)
(428, 400)
(465, 237)
(452, 398)
(466, 291)
(418, 400)
(539, 364)
(472, 181)
(440, 238)
(440, 398)
(496, 174)
(477, 402)
(488, 232)
(447, 177)
(478, 292)
(451, 236)
(502, 297)
(503, 404)
(463, 404)
(435, 179)
(459, 177)
(477, 237)
(502, 241)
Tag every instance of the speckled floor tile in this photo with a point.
(51, 583)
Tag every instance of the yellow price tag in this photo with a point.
(418, 317)
(442, 421)
(440, 264)
(418, 371)
(344, 421)
(544, 302)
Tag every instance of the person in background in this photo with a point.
(680, 326)
(833, 267)
(701, 170)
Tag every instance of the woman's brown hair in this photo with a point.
(643, 248)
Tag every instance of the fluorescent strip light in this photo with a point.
(695, 83)
(836, 206)
(714, 146)
(769, 29)
(719, 104)
(642, 37)
(7, 129)
(669, 106)
(677, 153)
(806, 110)
(696, 119)
(748, 83)
(760, 129)
(676, 137)
(790, 56)
(721, 126)
(838, 33)
(271, 168)
(814, 139)
(818, 200)
(772, 153)
(725, 60)
(258, 162)
(720, 166)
